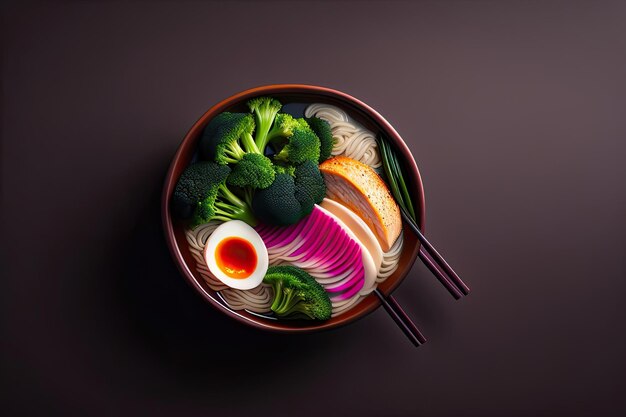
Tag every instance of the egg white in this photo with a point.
(237, 228)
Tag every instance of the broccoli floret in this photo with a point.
(216, 202)
(301, 146)
(297, 294)
(277, 204)
(324, 133)
(191, 188)
(285, 169)
(264, 110)
(228, 137)
(291, 196)
(310, 186)
(295, 140)
(283, 127)
(253, 170)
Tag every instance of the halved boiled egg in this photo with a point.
(236, 255)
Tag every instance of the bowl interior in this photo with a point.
(290, 94)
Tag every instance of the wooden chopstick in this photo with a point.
(439, 274)
(435, 262)
(400, 317)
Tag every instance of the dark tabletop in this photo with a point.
(516, 115)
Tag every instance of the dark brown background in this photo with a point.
(515, 112)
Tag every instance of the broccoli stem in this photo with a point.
(278, 294)
(249, 144)
(262, 128)
(283, 155)
(233, 207)
(248, 193)
(276, 133)
(285, 303)
(273, 134)
(231, 197)
(226, 213)
(233, 153)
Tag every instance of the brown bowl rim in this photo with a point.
(277, 89)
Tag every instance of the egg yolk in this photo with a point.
(236, 257)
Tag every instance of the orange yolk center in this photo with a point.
(236, 257)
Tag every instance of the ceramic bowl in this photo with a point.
(290, 93)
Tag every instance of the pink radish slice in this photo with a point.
(352, 291)
(321, 245)
(286, 249)
(295, 255)
(280, 235)
(328, 279)
(333, 248)
(318, 237)
(316, 247)
(343, 285)
(370, 266)
(284, 252)
(351, 256)
(277, 236)
(313, 235)
(331, 279)
(339, 256)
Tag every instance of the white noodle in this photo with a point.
(351, 139)
(390, 260)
